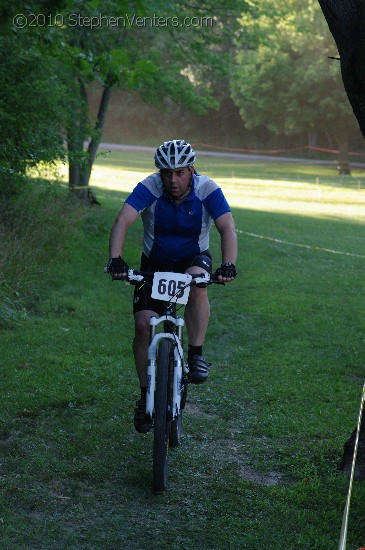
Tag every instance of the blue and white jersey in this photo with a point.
(173, 232)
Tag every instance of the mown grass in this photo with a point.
(259, 462)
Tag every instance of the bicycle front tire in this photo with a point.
(176, 423)
(162, 416)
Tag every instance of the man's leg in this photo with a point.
(197, 313)
(142, 422)
(141, 343)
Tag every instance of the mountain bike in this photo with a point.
(167, 379)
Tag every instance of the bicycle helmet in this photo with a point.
(174, 154)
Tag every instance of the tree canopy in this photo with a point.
(272, 57)
(116, 43)
(284, 76)
(31, 95)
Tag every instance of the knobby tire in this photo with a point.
(162, 419)
(176, 423)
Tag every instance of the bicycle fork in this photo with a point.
(179, 365)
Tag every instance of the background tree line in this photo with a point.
(259, 77)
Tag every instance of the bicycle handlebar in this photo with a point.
(138, 276)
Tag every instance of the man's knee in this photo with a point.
(142, 323)
(203, 262)
(198, 295)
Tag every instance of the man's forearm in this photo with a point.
(125, 218)
(229, 245)
(117, 240)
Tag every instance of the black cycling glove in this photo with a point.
(226, 270)
(117, 265)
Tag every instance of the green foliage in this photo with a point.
(30, 116)
(47, 64)
(283, 77)
(155, 60)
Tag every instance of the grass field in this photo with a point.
(258, 467)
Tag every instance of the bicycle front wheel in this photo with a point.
(176, 423)
(162, 417)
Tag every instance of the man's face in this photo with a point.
(176, 182)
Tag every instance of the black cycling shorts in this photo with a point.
(142, 294)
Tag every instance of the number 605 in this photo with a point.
(171, 287)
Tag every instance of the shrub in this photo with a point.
(36, 223)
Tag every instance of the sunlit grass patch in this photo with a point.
(312, 190)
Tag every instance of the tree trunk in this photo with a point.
(74, 145)
(98, 130)
(76, 135)
(80, 161)
(346, 21)
(312, 138)
(343, 156)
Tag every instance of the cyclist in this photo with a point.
(177, 206)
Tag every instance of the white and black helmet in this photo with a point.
(174, 154)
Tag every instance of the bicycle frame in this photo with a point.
(179, 365)
(155, 338)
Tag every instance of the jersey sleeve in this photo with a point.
(216, 203)
(142, 196)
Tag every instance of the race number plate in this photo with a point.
(171, 286)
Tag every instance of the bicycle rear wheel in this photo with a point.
(162, 417)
